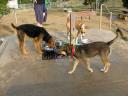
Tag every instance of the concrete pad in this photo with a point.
(99, 35)
(31, 76)
(8, 50)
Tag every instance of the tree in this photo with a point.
(125, 3)
(3, 5)
(91, 1)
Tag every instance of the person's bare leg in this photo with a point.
(39, 24)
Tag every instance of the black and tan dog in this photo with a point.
(37, 33)
(87, 51)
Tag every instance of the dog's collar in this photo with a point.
(73, 51)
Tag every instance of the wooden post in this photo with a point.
(15, 16)
(70, 28)
(110, 26)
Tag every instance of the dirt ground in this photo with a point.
(56, 21)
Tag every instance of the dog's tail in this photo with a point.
(15, 27)
(118, 31)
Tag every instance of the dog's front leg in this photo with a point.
(78, 33)
(88, 65)
(37, 45)
(75, 65)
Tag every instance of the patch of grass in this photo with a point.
(46, 24)
(125, 38)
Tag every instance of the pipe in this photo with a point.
(101, 16)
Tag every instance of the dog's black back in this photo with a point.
(33, 31)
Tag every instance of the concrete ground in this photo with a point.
(31, 76)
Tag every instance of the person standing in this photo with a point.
(40, 12)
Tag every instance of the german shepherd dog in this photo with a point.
(86, 51)
(37, 33)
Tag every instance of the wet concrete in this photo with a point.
(31, 76)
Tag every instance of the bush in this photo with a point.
(125, 3)
(3, 8)
(25, 1)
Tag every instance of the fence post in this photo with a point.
(101, 15)
(110, 26)
(70, 28)
(15, 15)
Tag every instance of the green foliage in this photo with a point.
(93, 2)
(102, 1)
(3, 1)
(53, 0)
(3, 7)
(125, 3)
(25, 1)
(86, 2)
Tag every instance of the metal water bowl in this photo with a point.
(82, 41)
(53, 53)
(59, 43)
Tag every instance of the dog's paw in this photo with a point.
(25, 53)
(105, 71)
(102, 70)
(90, 70)
(70, 72)
(40, 52)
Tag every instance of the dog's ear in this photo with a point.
(51, 43)
(71, 46)
(66, 48)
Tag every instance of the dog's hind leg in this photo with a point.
(106, 63)
(39, 45)
(21, 36)
(76, 62)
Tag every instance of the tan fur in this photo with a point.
(79, 25)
